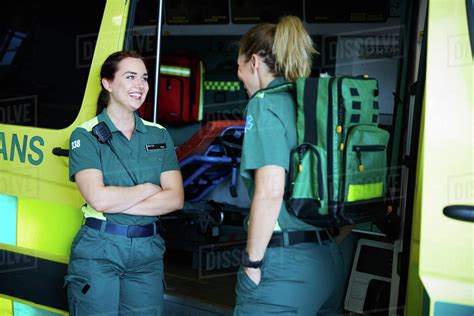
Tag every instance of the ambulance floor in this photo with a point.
(208, 286)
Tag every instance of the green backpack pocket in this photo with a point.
(365, 164)
(306, 197)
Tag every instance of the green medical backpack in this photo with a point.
(338, 170)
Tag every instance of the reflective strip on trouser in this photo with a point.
(111, 275)
(304, 279)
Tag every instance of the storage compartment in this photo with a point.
(365, 167)
(307, 187)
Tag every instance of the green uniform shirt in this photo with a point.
(149, 153)
(270, 134)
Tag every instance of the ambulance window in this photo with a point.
(45, 59)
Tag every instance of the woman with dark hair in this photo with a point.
(127, 172)
(289, 267)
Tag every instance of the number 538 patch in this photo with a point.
(76, 144)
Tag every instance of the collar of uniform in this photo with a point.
(104, 117)
(279, 80)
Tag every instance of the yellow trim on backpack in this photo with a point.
(358, 192)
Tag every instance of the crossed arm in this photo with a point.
(145, 199)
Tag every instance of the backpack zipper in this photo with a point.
(365, 148)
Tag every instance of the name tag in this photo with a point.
(150, 147)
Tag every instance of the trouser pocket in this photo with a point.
(77, 291)
(246, 288)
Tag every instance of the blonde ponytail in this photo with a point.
(286, 48)
(292, 48)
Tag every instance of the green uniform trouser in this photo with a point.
(304, 279)
(115, 275)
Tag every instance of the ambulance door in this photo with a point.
(50, 57)
(445, 187)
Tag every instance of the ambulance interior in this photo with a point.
(207, 234)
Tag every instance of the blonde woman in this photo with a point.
(289, 267)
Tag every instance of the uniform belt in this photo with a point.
(285, 239)
(130, 231)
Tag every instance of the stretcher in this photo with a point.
(211, 156)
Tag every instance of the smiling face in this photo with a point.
(130, 84)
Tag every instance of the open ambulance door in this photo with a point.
(443, 228)
(49, 73)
